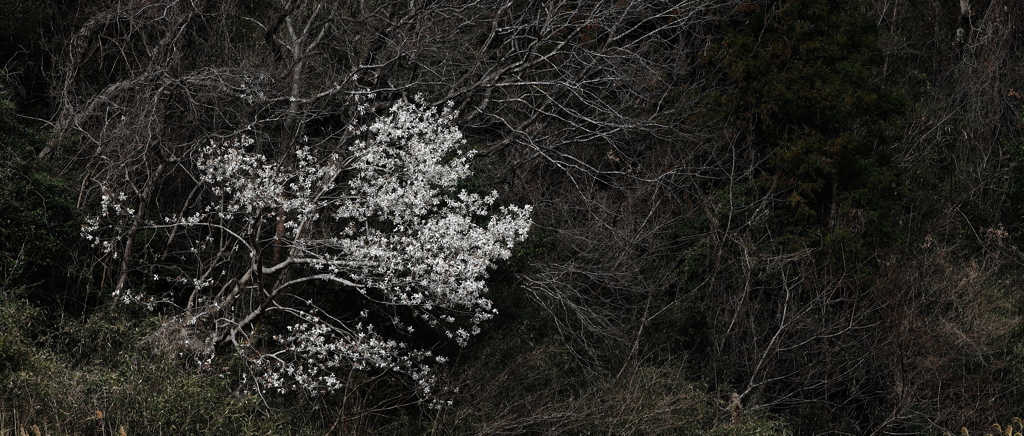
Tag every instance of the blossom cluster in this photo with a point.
(254, 189)
(382, 219)
(314, 353)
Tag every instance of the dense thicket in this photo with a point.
(750, 217)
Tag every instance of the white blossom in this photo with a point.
(382, 218)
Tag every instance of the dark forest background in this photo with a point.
(751, 217)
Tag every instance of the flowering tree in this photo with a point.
(383, 223)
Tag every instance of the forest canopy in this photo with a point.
(721, 217)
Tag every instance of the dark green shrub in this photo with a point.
(38, 218)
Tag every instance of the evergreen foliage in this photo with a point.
(37, 212)
(805, 93)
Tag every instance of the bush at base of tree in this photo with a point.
(37, 212)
